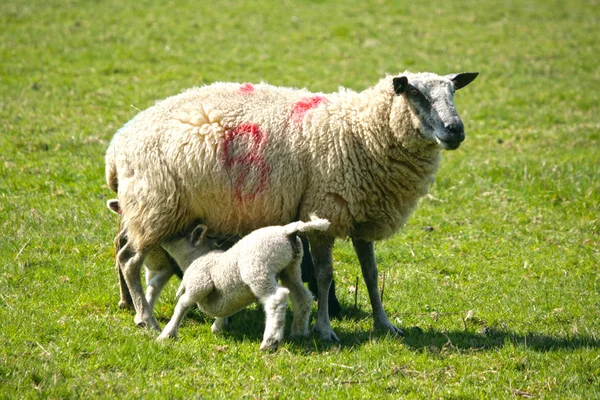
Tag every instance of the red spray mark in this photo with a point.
(303, 106)
(241, 149)
(247, 88)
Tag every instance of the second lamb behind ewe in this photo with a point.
(222, 283)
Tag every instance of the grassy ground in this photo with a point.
(501, 299)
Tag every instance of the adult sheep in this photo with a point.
(241, 157)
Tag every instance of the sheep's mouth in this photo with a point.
(449, 145)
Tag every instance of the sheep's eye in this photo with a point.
(414, 92)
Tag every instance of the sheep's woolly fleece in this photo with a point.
(244, 156)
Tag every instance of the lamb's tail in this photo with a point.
(315, 224)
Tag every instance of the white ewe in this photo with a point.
(223, 283)
(240, 157)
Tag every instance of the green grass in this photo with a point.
(515, 211)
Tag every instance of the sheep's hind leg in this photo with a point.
(131, 263)
(321, 249)
(308, 276)
(366, 256)
(301, 299)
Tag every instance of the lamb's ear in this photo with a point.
(400, 84)
(197, 236)
(463, 79)
(113, 205)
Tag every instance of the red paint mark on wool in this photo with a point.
(304, 105)
(247, 88)
(242, 157)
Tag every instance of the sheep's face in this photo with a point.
(431, 98)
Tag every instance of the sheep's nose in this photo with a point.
(453, 135)
(456, 129)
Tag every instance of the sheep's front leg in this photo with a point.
(321, 248)
(366, 256)
(182, 307)
(131, 264)
(274, 305)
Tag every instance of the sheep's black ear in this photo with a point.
(400, 85)
(197, 236)
(113, 205)
(463, 79)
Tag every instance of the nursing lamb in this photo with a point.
(223, 283)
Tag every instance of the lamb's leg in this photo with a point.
(155, 282)
(219, 325)
(125, 301)
(160, 267)
(366, 256)
(131, 264)
(321, 249)
(274, 305)
(182, 307)
(301, 299)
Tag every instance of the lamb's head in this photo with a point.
(189, 244)
(430, 98)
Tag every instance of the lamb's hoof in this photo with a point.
(144, 324)
(299, 334)
(166, 336)
(269, 345)
(124, 305)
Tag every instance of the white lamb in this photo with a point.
(241, 157)
(223, 283)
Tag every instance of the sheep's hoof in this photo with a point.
(328, 335)
(392, 329)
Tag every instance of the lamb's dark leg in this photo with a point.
(131, 263)
(125, 301)
(321, 248)
(160, 267)
(366, 256)
(308, 276)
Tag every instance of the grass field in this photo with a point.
(501, 299)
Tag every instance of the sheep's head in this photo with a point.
(431, 98)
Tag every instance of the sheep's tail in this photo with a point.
(180, 291)
(111, 171)
(315, 224)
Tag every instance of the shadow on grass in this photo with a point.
(248, 325)
(490, 338)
